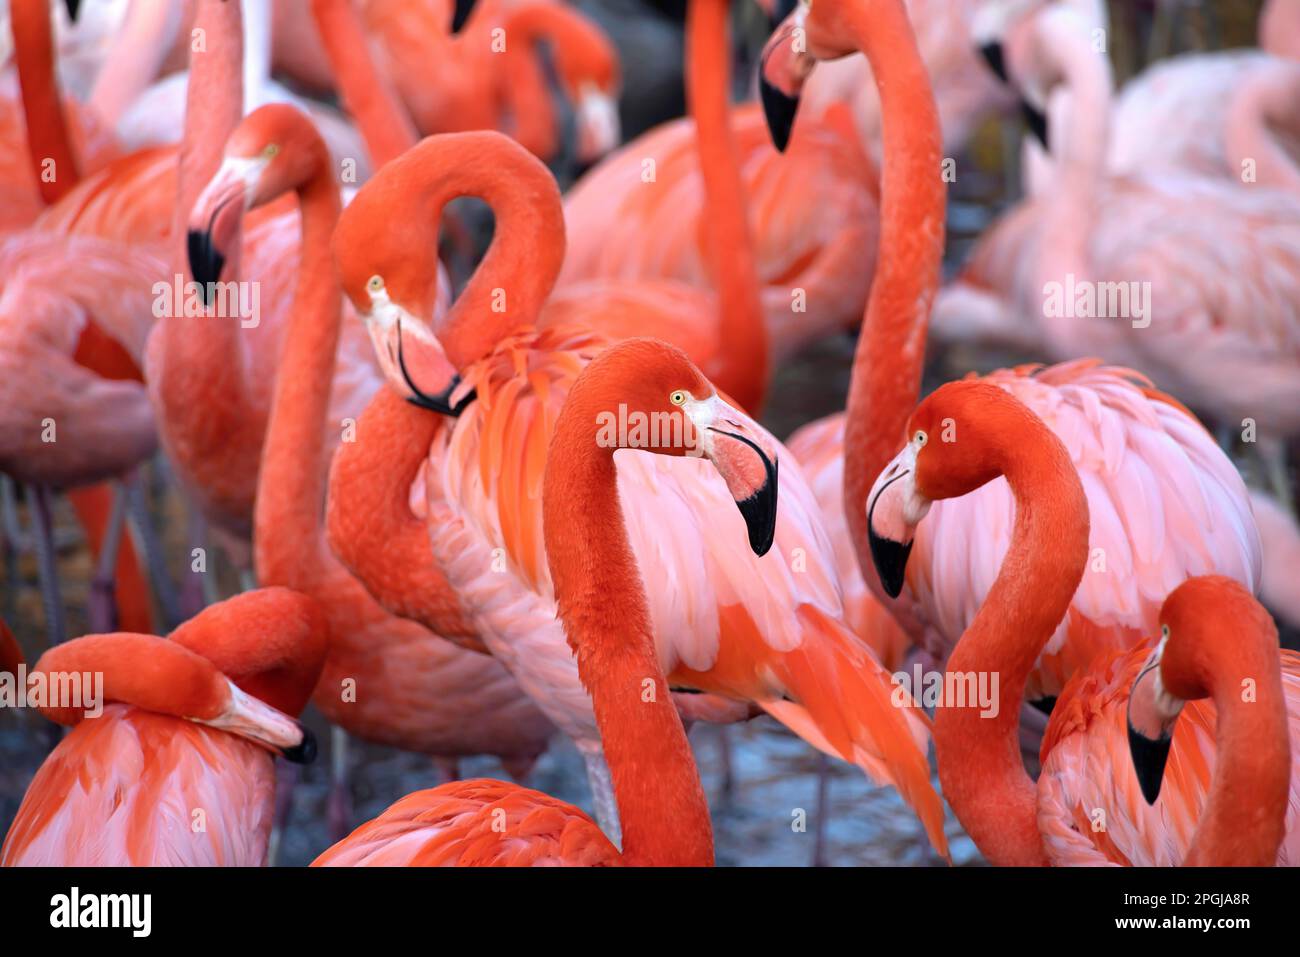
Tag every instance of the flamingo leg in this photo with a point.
(146, 535)
(101, 605)
(821, 810)
(1273, 458)
(448, 769)
(286, 780)
(727, 793)
(338, 808)
(42, 526)
(11, 538)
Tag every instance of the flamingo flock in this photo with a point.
(343, 458)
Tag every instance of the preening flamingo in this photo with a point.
(728, 623)
(177, 768)
(1225, 636)
(608, 623)
(658, 210)
(1167, 502)
(384, 679)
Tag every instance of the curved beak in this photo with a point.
(212, 236)
(1152, 714)
(783, 68)
(995, 57)
(460, 14)
(597, 123)
(743, 453)
(413, 360)
(894, 508)
(254, 719)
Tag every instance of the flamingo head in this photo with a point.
(274, 149)
(662, 403)
(784, 67)
(588, 69)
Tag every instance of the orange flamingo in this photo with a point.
(1085, 752)
(414, 690)
(177, 769)
(730, 624)
(1167, 502)
(607, 622)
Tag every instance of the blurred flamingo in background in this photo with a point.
(1084, 752)
(177, 768)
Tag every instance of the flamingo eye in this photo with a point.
(678, 398)
(1164, 632)
(920, 438)
(271, 150)
(375, 283)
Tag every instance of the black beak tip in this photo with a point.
(780, 10)
(73, 7)
(890, 558)
(993, 56)
(779, 110)
(759, 511)
(1149, 758)
(1036, 120)
(441, 403)
(206, 261)
(304, 753)
(461, 13)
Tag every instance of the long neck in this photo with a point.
(138, 53)
(291, 483)
(48, 139)
(1268, 95)
(886, 376)
(606, 617)
(730, 245)
(980, 768)
(1244, 819)
(507, 291)
(379, 114)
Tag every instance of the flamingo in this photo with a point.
(490, 76)
(414, 689)
(177, 768)
(1085, 781)
(729, 624)
(1167, 501)
(608, 623)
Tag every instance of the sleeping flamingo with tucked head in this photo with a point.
(1167, 503)
(608, 624)
(1215, 636)
(728, 623)
(186, 737)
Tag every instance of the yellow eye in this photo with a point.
(271, 150)
(375, 283)
(1164, 632)
(678, 398)
(920, 438)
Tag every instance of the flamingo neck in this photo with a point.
(291, 482)
(980, 768)
(606, 618)
(886, 374)
(507, 291)
(48, 138)
(138, 54)
(1267, 97)
(369, 98)
(1244, 819)
(730, 246)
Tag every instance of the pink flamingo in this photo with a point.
(728, 623)
(1167, 502)
(177, 769)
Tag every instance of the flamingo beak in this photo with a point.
(254, 719)
(413, 359)
(995, 57)
(460, 14)
(598, 124)
(742, 452)
(73, 8)
(783, 68)
(1152, 713)
(894, 510)
(1036, 120)
(213, 232)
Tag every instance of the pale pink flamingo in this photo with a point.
(1167, 502)
(1086, 806)
(727, 622)
(176, 769)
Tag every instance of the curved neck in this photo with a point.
(1265, 97)
(373, 104)
(48, 138)
(1252, 750)
(886, 375)
(507, 291)
(606, 618)
(291, 482)
(729, 243)
(980, 768)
